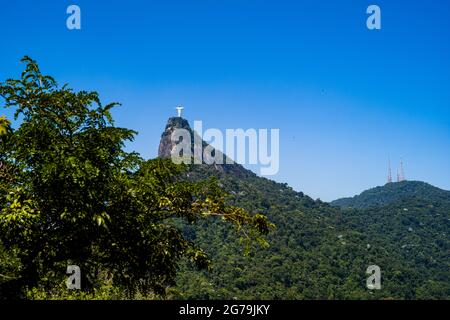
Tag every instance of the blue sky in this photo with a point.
(343, 97)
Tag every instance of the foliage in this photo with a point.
(392, 192)
(70, 194)
(4, 125)
(322, 252)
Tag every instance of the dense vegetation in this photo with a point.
(71, 195)
(414, 232)
(392, 192)
(322, 252)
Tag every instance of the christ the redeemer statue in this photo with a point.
(179, 111)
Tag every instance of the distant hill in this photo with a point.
(318, 251)
(392, 192)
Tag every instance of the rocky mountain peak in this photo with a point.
(166, 146)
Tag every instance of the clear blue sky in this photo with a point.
(343, 97)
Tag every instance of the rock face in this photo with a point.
(166, 146)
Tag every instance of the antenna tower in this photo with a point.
(389, 178)
(402, 172)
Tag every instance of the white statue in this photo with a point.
(179, 111)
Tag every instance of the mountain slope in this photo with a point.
(416, 232)
(392, 192)
(317, 251)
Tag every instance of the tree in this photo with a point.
(4, 125)
(75, 196)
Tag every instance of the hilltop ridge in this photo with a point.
(392, 192)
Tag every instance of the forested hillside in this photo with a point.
(319, 251)
(392, 192)
(416, 232)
